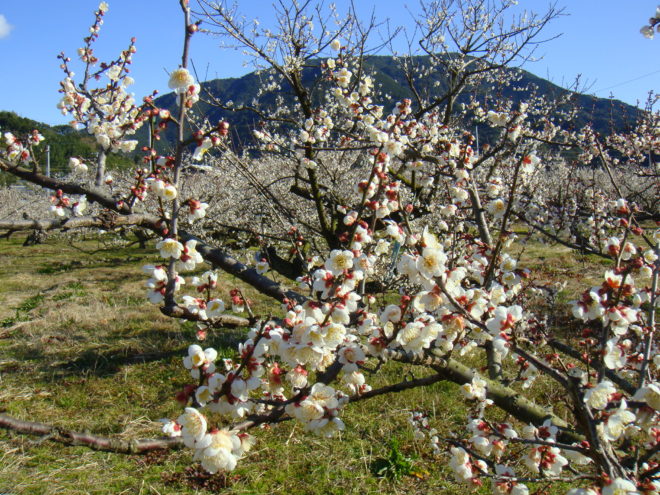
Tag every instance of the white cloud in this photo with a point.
(5, 27)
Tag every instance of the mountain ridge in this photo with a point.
(606, 115)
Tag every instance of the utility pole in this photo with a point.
(48, 161)
(476, 131)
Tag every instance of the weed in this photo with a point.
(22, 311)
(52, 268)
(30, 303)
(76, 289)
(7, 322)
(395, 465)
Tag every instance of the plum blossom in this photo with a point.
(170, 248)
(189, 257)
(432, 262)
(57, 211)
(339, 261)
(169, 192)
(614, 357)
(193, 428)
(216, 459)
(157, 284)
(200, 358)
(497, 208)
(262, 267)
(507, 484)
(351, 356)
(650, 394)
(577, 458)
(196, 210)
(545, 459)
(180, 80)
(80, 206)
(647, 31)
(598, 397)
(162, 189)
(214, 308)
(616, 424)
(464, 468)
(343, 77)
(497, 119)
(504, 319)
(475, 390)
(620, 486)
(223, 451)
(76, 165)
(171, 428)
(318, 412)
(195, 306)
(391, 313)
(297, 377)
(590, 307)
(202, 149)
(530, 163)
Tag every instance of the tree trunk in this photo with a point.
(100, 169)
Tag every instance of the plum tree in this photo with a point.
(400, 231)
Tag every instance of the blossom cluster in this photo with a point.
(216, 450)
(19, 150)
(108, 111)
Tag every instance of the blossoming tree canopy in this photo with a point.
(406, 238)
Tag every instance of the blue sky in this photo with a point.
(600, 40)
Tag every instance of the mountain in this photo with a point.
(605, 115)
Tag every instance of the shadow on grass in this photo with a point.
(139, 347)
(58, 267)
(107, 363)
(90, 362)
(103, 364)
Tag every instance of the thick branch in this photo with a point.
(67, 187)
(95, 442)
(504, 397)
(80, 222)
(224, 321)
(585, 249)
(212, 255)
(510, 400)
(250, 276)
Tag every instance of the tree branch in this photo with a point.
(142, 220)
(95, 442)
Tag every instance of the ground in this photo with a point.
(80, 348)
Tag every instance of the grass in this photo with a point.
(80, 348)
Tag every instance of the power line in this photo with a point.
(628, 81)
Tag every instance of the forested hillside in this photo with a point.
(64, 142)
